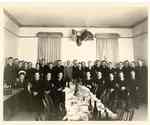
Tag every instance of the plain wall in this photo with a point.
(28, 43)
(140, 41)
(1, 52)
(28, 49)
(126, 49)
(10, 37)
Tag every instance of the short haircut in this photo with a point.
(10, 58)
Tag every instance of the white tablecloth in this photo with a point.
(77, 106)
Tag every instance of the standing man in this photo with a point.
(9, 73)
(68, 73)
(58, 68)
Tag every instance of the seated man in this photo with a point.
(49, 88)
(77, 102)
(59, 94)
(23, 100)
(89, 82)
(21, 82)
(36, 90)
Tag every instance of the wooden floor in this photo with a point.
(140, 115)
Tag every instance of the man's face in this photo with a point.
(75, 62)
(48, 76)
(120, 65)
(26, 65)
(30, 65)
(10, 61)
(103, 63)
(110, 65)
(60, 75)
(140, 63)
(99, 74)
(16, 61)
(133, 75)
(111, 77)
(20, 64)
(21, 77)
(89, 63)
(37, 66)
(98, 63)
(43, 62)
(37, 76)
(121, 75)
(79, 65)
(83, 64)
(126, 64)
(50, 65)
(68, 62)
(132, 64)
(88, 75)
(59, 63)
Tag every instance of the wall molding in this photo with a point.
(12, 18)
(20, 36)
(10, 31)
(139, 22)
(140, 34)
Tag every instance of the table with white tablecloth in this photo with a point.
(77, 105)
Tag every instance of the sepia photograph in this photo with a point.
(74, 62)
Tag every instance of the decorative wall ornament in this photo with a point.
(80, 36)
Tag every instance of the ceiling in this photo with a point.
(76, 15)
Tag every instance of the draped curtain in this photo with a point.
(107, 47)
(49, 46)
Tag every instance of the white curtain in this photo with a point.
(107, 47)
(49, 46)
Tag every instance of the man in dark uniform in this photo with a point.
(96, 68)
(68, 73)
(30, 72)
(123, 92)
(90, 69)
(49, 85)
(100, 85)
(104, 70)
(83, 65)
(59, 93)
(49, 69)
(79, 72)
(113, 93)
(9, 73)
(49, 91)
(111, 70)
(126, 71)
(75, 70)
(23, 100)
(43, 68)
(119, 69)
(89, 83)
(37, 93)
(142, 77)
(16, 62)
(133, 88)
(57, 69)
(37, 69)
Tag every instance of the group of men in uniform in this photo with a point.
(118, 86)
